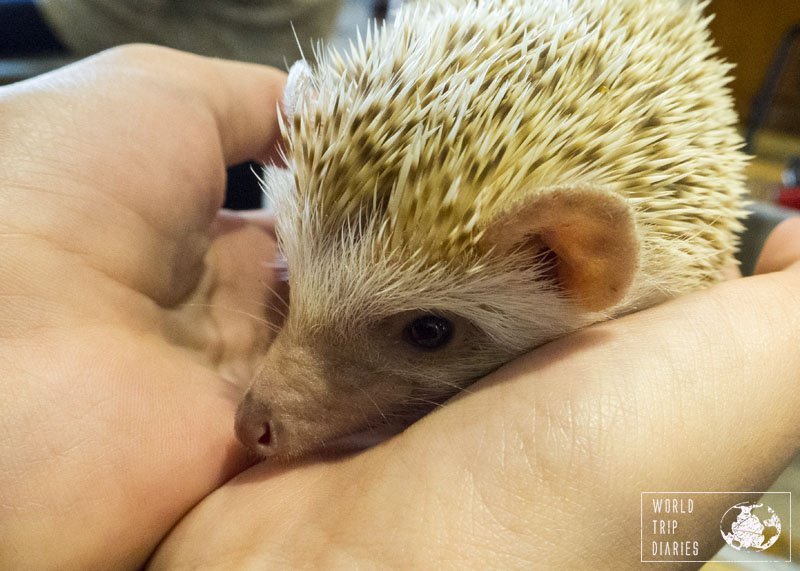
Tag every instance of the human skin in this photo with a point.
(131, 313)
(131, 318)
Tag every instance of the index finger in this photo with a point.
(134, 141)
(244, 98)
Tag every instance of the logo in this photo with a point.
(675, 526)
(750, 527)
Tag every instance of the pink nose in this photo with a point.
(255, 428)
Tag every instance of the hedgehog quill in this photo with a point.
(477, 179)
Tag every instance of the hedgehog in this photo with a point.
(475, 180)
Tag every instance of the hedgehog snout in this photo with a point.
(256, 426)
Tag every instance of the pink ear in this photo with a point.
(592, 233)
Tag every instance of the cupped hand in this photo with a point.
(541, 464)
(131, 311)
(131, 314)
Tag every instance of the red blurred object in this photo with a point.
(789, 197)
(789, 191)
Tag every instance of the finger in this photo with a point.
(245, 100)
(262, 218)
(782, 248)
(130, 154)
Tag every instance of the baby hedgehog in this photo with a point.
(480, 178)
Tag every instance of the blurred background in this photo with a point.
(762, 38)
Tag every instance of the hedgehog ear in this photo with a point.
(591, 232)
(299, 89)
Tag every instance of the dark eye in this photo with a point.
(429, 331)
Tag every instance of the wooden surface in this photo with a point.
(748, 33)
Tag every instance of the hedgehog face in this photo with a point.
(377, 336)
(316, 386)
(367, 342)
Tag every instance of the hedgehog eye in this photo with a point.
(429, 331)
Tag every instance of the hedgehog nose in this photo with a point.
(255, 427)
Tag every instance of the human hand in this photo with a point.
(518, 472)
(131, 312)
(118, 427)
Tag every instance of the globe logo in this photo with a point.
(750, 527)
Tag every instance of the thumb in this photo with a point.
(782, 248)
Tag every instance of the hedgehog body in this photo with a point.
(518, 169)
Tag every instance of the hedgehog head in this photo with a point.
(405, 287)
(478, 179)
